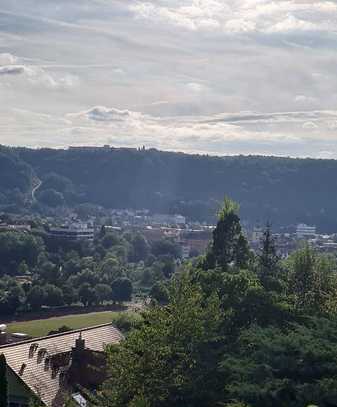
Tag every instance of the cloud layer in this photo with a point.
(33, 74)
(241, 16)
(285, 133)
(205, 76)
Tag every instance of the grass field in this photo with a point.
(41, 327)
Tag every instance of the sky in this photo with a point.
(212, 77)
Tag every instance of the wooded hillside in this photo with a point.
(283, 190)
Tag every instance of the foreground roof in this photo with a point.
(30, 365)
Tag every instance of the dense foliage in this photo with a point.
(39, 271)
(3, 382)
(16, 179)
(235, 329)
(267, 188)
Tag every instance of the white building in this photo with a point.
(163, 219)
(74, 231)
(303, 231)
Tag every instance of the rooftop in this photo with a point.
(28, 359)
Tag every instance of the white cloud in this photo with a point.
(104, 114)
(195, 87)
(37, 76)
(7, 59)
(216, 134)
(310, 125)
(235, 16)
(289, 133)
(171, 66)
(293, 24)
(332, 125)
(40, 77)
(305, 99)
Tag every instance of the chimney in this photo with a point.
(77, 350)
(79, 344)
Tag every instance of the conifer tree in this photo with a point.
(229, 246)
(268, 260)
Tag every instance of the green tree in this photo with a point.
(268, 261)
(51, 198)
(87, 294)
(103, 292)
(111, 239)
(159, 293)
(312, 281)
(110, 268)
(126, 321)
(303, 276)
(293, 367)
(166, 247)
(15, 297)
(72, 266)
(85, 276)
(17, 247)
(56, 182)
(121, 290)
(171, 359)
(229, 246)
(49, 272)
(3, 382)
(23, 269)
(140, 248)
(34, 402)
(36, 297)
(169, 266)
(70, 295)
(53, 295)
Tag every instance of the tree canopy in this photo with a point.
(261, 333)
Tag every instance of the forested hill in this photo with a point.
(282, 190)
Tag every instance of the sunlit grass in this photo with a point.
(42, 327)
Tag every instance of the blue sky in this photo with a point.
(201, 76)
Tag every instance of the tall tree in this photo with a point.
(87, 294)
(229, 246)
(172, 359)
(140, 248)
(268, 260)
(3, 382)
(36, 297)
(313, 281)
(303, 276)
(121, 290)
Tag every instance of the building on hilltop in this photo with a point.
(85, 149)
(55, 368)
